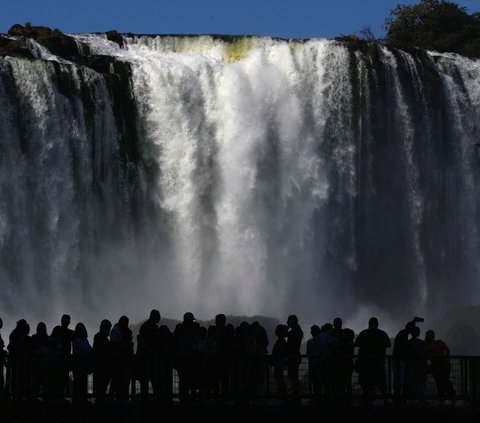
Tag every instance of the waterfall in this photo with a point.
(242, 175)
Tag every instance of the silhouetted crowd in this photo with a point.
(220, 361)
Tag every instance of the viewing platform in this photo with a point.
(249, 390)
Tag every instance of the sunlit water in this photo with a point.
(262, 177)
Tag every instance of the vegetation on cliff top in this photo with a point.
(434, 25)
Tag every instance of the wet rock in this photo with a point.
(14, 48)
(63, 46)
(348, 38)
(54, 40)
(114, 36)
(30, 31)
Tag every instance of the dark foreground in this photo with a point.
(133, 412)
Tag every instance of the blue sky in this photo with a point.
(279, 18)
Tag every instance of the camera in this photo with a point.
(417, 319)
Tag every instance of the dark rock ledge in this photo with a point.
(60, 45)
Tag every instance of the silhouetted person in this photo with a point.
(400, 347)
(185, 339)
(416, 366)
(279, 358)
(438, 355)
(372, 343)
(82, 363)
(244, 350)
(220, 321)
(325, 342)
(147, 355)
(67, 339)
(67, 334)
(400, 358)
(19, 349)
(259, 364)
(103, 351)
(55, 364)
(223, 366)
(342, 358)
(165, 354)
(294, 341)
(121, 339)
(3, 356)
(315, 361)
(261, 338)
(226, 354)
(39, 361)
(207, 348)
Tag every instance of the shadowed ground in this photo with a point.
(131, 412)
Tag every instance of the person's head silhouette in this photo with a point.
(155, 316)
(65, 320)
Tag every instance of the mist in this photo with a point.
(246, 177)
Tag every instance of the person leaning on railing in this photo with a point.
(438, 355)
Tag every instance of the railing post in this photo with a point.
(389, 375)
(474, 379)
(267, 372)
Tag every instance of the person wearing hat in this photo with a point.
(188, 317)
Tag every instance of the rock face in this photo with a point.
(14, 48)
(114, 36)
(56, 41)
(30, 31)
(62, 46)
(348, 38)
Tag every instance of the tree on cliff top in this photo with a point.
(434, 25)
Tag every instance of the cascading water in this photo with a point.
(245, 176)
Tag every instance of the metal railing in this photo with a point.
(212, 378)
